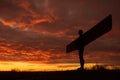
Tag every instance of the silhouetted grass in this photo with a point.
(99, 67)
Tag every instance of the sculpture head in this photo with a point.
(80, 32)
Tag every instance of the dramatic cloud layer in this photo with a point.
(39, 30)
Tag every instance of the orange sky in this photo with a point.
(39, 30)
(35, 66)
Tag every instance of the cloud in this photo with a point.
(39, 30)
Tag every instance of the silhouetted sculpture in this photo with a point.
(81, 50)
(84, 39)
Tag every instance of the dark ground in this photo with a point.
(63, 75)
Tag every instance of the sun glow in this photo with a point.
(24, 66)
(35, 66)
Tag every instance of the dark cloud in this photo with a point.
(39, 30)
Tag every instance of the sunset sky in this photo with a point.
(37, 31)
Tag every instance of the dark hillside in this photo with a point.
(63, 75)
